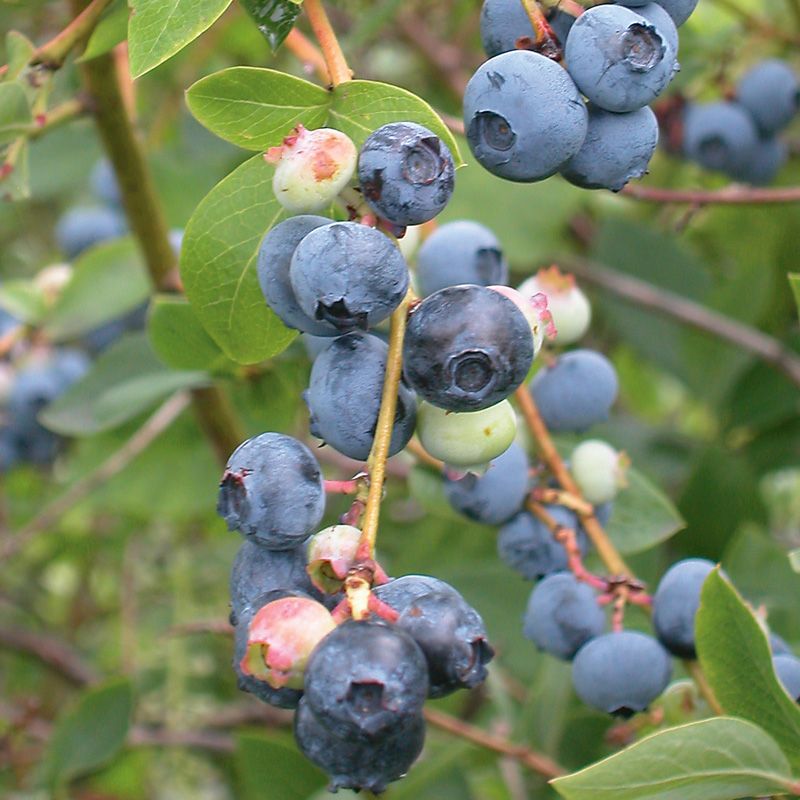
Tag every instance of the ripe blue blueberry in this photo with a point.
(495, 496)
(765, 163)
(523, 115)
(621, 673)
(406, 172)
(503, 24)
(354, 764)
(526, 544)
(656, 14)
(105, 335)
(617, 148)
(560, 22)
(466, 348)
(770, 93)
(274, 258)
(678, 10)
(104, 184)
(618, 59)
(460, 252)
(787, 668)
(779, 646)
(81, 228)
(719, 136)
(348, 275)
(562, 615)
(400, 592)
(365, 678)
(272, 490)
(675, 605)
(344, 396)
(576, 392)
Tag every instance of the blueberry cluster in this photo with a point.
(740, 136)
(526, 117)
(358, 686)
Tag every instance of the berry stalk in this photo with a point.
(339, 71)
(53, 53)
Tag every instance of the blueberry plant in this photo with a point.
(419, 372)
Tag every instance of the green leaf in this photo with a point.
(794, 559)
(109, 280)
(15, 113)
(735, 655)
(111, 30)
(256, 108)
(794, 282)
(89, 735)
(218, 261)
(715, 759)
(23, 300)
(160, 28)
(273, 768)
(643, 516)
(16, 185)
(179, 339)
(19, 49)
(126, 380)
(274, 18)
(359, 107)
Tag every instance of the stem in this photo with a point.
(342, 487)
(307, 52)
(734, 194)
(326, 36)
(703, 686)
(53, 53)
(58, 115)
(538, 20)
(605, 548)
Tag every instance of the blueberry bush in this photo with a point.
(475, 324)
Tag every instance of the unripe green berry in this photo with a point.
(535, 309)
(331, 553)
(568, 305)
(599, 470)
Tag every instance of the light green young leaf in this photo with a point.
(110, 31)
(715, 759)
(15, 113)
(735, 656)
(218, 264)
(160, 28)
(19, 49)
(23, 300)
(794, 559)
(794, 282)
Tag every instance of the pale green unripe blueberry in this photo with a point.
(535, 310)
(567, 303)
(599, 470)
(466, 439)
(330, 554)
(311, 168)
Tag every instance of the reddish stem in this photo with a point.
(342, 487)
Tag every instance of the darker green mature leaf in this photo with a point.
(736, 658)
(15, 113)
(273, 768)
(274, 18)
(256, 108)
(179, 339)
(160, 28)
(89, 735)
(643, 516)
(126, 380)
(110, 31)
(109, 280)
(715, 759)
(218, 264)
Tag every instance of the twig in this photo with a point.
(306, 51)
(703, 686)
(53, 53)
(735, 194)
(331, 49)
(58, 115)
(113, 465)
(646, 295)
(538, 762)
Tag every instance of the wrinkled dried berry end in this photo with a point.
(642, 49)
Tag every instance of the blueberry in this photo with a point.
(527, 546)
(466, 348)
(175, 236)
(272, 490)
(498, 494)
(675, 605)
(562, 615)
(9, 450)
(657, 15)
(365, 678)
(104, 184)
(599, 470)
(503, 24)
(450, 633)
(274, 258)
(344, 396)
(348, 275)
(618, 59)
(81, 228)
(523, 115)
(779, 646)
(105, 335)
(787, 668)
(400, 592)
(314, 345)
(354, 764)
(603, 513)
(770, 93)
(331, 553)
(406, 173)
(617, 147)
(257, 571)
(560, 22)
(621, 673)
(679, 10)
(460, 252)
(765, 163)
(567, 304)
(719, 136)
(576, 392)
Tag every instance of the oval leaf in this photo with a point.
(111, 30)
(218, 264)
(274, 18)
(256, 108)
(15, 113)
(735, 655)
(715, 759)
